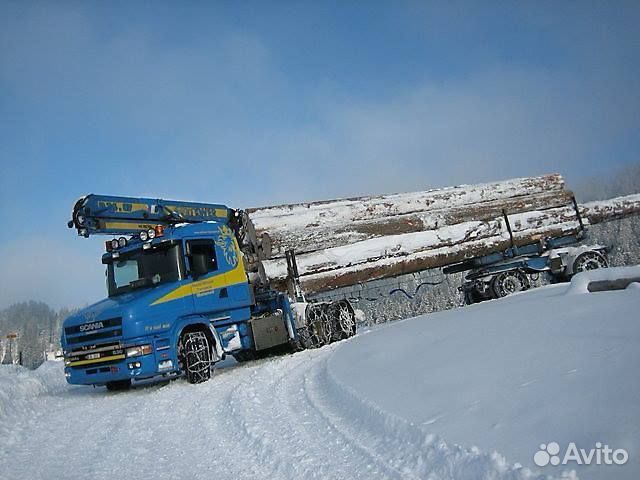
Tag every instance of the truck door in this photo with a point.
(209, 289)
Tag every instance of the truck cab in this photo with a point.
(188, 280)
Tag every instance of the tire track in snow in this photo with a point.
(285, 427)
(282, 418)
(316, 392)
(407, 447)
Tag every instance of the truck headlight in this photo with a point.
(138, 351)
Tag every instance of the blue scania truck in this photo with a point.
(179, 297)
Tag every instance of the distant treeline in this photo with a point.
(38, 330)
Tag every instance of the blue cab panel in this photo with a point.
(192, 275)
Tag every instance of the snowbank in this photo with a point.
(580, 282)
(414, 452)
(19, 388)
(505, 376)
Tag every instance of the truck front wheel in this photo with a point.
(196, 356)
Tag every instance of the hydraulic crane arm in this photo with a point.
(109, 215)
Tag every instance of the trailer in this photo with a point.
(179, 297)
(502, 273)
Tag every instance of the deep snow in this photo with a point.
(430, 397)
(552, 364)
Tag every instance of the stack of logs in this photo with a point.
(349, 241)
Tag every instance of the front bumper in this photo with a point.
(114, 366)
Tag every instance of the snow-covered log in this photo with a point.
(419, 261)
(318, 225)
(304, 239)
(612, 209)
(392, 255)
(527, 228)
(344, 242)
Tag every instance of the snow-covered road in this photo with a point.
(280, 418)
(394, 402)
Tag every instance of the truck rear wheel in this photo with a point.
(196, 356)
(319, 324)
(119, 385)
(509, 282)
(344, 320)
(589, 261)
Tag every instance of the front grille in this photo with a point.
(100, 347)
(100, 353)
(95, 336)
(109, 329)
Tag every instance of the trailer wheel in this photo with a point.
(509, 282)
(589, 261)
(119, 385)
(477, 291)
(196, 356)
(472, 296)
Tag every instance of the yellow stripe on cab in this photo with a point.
(233, 277)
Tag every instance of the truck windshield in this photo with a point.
(143, 269)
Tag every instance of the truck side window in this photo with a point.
(202, 257)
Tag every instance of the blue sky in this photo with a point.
(254, 103)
